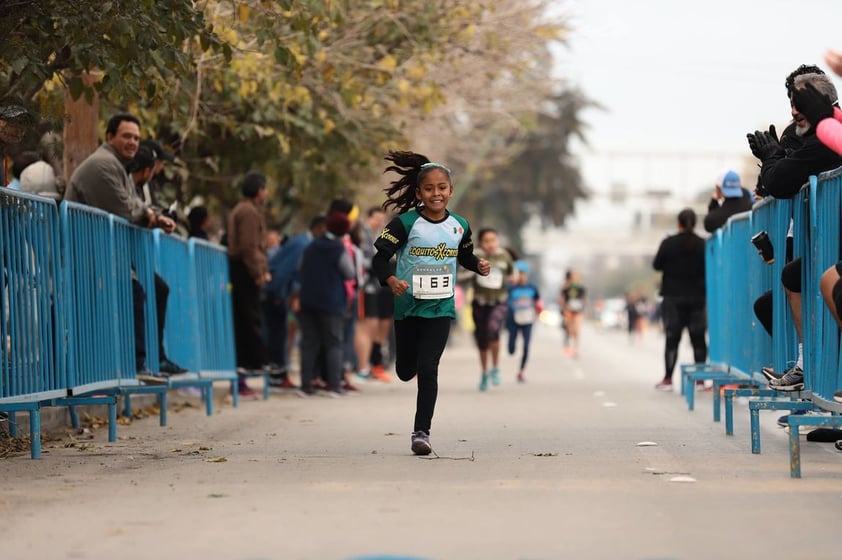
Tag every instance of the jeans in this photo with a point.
(321, 336)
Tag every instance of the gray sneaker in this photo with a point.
(792, 380)
(421, 443)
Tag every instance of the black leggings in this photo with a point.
(419, 344)
(681, 313)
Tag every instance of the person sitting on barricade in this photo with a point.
(820, 109)
(102, 181)
(729, 198)
(782, 175)
(790, 142)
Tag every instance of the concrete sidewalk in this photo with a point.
(543, 470)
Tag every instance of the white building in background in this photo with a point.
(611, 235)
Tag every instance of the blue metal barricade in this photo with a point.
(715, 293)
(30, 299)
(31, 309)
(738, 251)
(761, 280)
(215, 315)
(174, 263)
(101, 348)
(181, 334)
(821, 331)
(784, 339)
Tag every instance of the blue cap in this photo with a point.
(730, 184)
(522, 266)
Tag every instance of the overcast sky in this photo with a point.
(686, 79)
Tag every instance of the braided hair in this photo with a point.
(412, 168)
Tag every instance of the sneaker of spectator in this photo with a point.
(664, 385)
(837, 396)
(782, 420)
(806, 429)
(280, 383)
(773, 377)
(168, 367)
(421, 443)
(146, 377)
(194, 392)
(793, 380)
(247, 392)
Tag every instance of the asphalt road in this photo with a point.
(549, 469)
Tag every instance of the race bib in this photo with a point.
(575, 305)
(525, 315)
(494, 280)
(432, 282)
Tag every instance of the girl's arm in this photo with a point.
(392, 238)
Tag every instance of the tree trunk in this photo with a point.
(81, 134)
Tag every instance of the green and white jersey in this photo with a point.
(427, 256)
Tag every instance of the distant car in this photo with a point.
(613, 314)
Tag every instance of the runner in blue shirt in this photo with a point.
(524, 307)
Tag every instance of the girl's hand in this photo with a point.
(398, 287)
(484, 267)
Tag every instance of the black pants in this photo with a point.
(419, 344)
(275, 330)
(791, 280)
(680, 313)
(162, 294)
(248, 335)
(322, 336)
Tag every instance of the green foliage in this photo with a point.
(133, 45)
(313, 92)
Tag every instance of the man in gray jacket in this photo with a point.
(102, 181)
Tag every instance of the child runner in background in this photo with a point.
(572, 303)
(429, 242)
(524, 307)
(489, 307)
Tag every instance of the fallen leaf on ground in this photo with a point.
(546, 454)
(216, 460)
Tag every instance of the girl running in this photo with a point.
(524, 307)
(489, 307)
(429, 242)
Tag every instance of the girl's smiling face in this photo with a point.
(434, 191)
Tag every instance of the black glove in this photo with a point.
(765, 145)
(811, 103)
